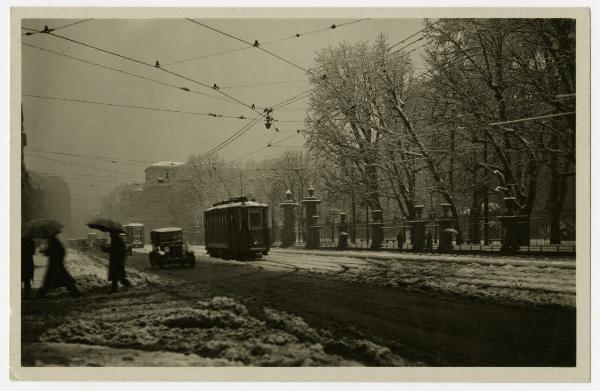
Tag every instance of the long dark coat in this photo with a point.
(117, 252)
(56, 274)
(27, 266)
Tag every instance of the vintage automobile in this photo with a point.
(92, 238)
(169, 249)
(101, 242)
(77, 244)
(135, 234)
(237, 228)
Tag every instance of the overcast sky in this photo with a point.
(143, 135)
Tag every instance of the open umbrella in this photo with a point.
(105, 225)
(41, 228)
(451, 230)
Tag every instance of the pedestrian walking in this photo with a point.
(27, 266)
(57, 275)
(117, 252)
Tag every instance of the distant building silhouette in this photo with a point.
(166, 198)
(49, 197)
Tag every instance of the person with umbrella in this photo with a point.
(117, 251)
(56, 273)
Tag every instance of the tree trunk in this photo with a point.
(437, 176)
(475, 219)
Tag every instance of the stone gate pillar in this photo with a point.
(445, 223)
(288, 234)
(474, 222)
(376, 230)
(342, 233)
(311, 234)
(417, 229)
(314, 228)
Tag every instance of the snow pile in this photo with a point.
(91, 272)
(522, 283)
(291, 324)
(365, 351)
(80, 355)
(220, 328)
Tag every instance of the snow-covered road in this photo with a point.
(508, 280)
(298, 307)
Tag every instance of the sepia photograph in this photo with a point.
(300, 189)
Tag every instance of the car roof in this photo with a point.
(167, 229)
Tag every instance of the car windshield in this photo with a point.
(170, 236)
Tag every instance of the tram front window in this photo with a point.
(255, 219)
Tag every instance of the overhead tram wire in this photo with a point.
(214, 115)
(105, 158)
(413, 35)
(131, 59)
(251, 45)
(208, 55)
(238, 133)
(263, 84)
(293, 99)
(182, 88)
(248, 126)
(297, 35)
(263, 148)
(111, 163)
(29, 33)
(86, 175)
(76, 164)
(332, 27)
(424, 36)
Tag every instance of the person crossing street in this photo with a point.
(117, 252)
(56, 274)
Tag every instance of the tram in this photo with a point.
(237, 229)
(135, 234)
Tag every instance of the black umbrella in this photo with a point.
(41, 228)
(105, 225)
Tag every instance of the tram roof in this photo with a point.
(237, 204)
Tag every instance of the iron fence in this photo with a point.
(474, 234)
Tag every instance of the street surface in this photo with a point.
(443, 310)
(348, 308)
